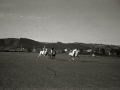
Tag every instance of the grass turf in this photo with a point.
(25, 71)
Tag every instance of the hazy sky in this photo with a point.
(87, 21)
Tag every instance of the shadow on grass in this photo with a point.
(63, 60)
(89, 61)
(76, 61)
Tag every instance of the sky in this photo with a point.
(67, 21)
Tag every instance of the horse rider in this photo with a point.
(44, 50)
(74, 51)
(52, 49)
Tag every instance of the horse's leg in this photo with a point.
(78, 55)
(46, 56)
(52, 57)
(43, 53)
(69, 58)
(38, 54)
(49, 55)
(73, 58)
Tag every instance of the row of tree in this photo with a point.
(110, 52)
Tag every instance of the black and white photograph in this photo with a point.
(59, 44)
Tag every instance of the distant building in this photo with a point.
(89, 50)
(66, 50)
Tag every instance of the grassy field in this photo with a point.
(25, 71)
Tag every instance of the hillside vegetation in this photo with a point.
(15, 43)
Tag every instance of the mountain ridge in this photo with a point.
(14, 43)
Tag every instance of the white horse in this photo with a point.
(44, 53)
(73, 53)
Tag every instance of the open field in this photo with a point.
(25, 71)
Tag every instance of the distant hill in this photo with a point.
(14, 43)
(9, 43)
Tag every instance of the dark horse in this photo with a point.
(52, 54)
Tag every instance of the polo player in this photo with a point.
(44, 50)
(74, 51)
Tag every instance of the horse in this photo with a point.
(44, 53)
(74, 53)
(52, 54)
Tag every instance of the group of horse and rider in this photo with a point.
(51, 53)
